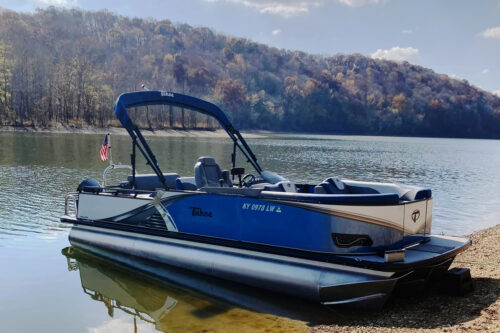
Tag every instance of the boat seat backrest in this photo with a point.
(226, 175)
(283, 186)
(416, 194)
(208, 173)
(186, 184)
(150, 182)
(405, 192)
(332, 185)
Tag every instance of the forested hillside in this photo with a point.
(61, 66)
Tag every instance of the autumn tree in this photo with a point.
(67, 66)
(180, 75)
(4, 84)
(399, 102)
(231, 93)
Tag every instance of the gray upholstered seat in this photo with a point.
(208, 173)
(186, 183)
(151, 182)
(283, 186)
(331, 186)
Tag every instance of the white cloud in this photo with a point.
(485, 71)
(407, 31)
(276, 32)
(359, 3)
(61, 3)
(283, 8)
(497, 92)
(397, 53)
(491, 33)
(54, 2)
(289, 8)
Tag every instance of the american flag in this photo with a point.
(103, 154)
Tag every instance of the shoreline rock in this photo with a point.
(431, 311)
(201, 133)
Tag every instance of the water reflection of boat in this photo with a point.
(336, 242)
(171, 307)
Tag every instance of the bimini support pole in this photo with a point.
(156, 97)
(233, 157)
(132, 162)
(109, 149)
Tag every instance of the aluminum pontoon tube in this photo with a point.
(312, 280)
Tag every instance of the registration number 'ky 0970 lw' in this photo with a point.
(261, 208)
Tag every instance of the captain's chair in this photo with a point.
(209, 173)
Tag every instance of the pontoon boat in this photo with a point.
(336, 242)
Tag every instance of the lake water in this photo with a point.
(47, 287)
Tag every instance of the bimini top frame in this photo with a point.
(156, 97)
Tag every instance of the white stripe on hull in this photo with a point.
(398, 217)
(165, 214)
(102, 206)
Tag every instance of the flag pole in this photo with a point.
(109, 149)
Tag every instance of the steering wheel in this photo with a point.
(247, 180)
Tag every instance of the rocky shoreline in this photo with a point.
(431, 311)
(201, 133)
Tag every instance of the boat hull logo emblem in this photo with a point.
(167, 94)
(197, 211)
(415, 215)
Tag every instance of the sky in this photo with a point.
(456, 37)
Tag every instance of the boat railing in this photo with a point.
(113, 167)
(70, 206)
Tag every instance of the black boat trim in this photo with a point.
(348, 259)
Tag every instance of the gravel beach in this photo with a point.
(199, 133)
(430, 311)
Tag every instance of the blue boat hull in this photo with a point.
(252, 220)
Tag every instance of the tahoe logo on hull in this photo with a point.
(415, 215)
(197, 211)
